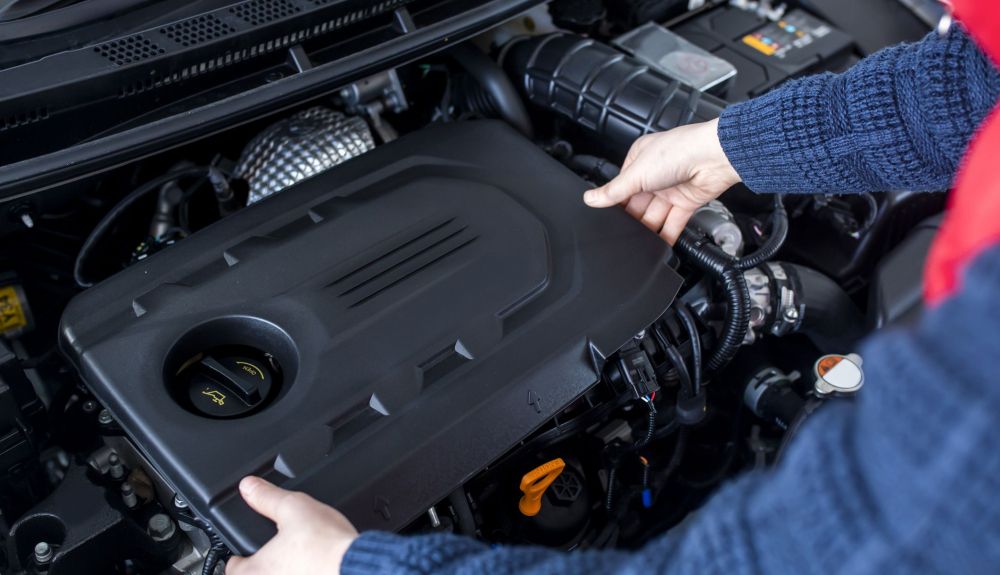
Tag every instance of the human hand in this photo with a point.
(667, 176)
(312, 537)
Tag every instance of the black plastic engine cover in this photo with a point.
(431, 303)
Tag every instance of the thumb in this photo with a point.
(618, 190)
(265, 497)
(233, 565)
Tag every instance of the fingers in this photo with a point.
(235, 565)
(656, 214)
(637, 204)
(266, 498)
(674, 224)
(626, 185)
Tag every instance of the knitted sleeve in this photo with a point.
(900, 119)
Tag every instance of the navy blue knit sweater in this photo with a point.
(906, 479)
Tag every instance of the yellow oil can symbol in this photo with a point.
(216, 396)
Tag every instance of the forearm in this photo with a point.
(899, 119)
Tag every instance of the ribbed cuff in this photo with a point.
(780, 142)
(375, 553)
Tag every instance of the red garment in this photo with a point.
(972, 222)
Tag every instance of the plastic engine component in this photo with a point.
(602, 89)
(428, 306)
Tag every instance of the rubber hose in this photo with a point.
(711, 259)
(687, 319)
(503, 96)
(776, 238)
(594, 166)
(109, 218)
(793, 428)
(676, 360)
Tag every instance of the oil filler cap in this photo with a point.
(225, 386)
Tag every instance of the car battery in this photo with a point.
(766, 53)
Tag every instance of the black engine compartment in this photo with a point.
(358, 264)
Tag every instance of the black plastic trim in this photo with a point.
(42, 172)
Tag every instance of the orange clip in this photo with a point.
(535, 482)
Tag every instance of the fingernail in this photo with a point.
(590, 197)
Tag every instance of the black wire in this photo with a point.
(675, 358)
(650, 429)
(710, 258)
(776, 238)
(184, 210)
(687, 320)
(872, 205)
(609, 500)
(217, 551)
(109, 218)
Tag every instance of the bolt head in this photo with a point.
(43, 552)
(89, 406)
(104, 417)
(160, 527)
(791, 314)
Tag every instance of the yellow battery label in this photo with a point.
(12, 314)
(759, 45)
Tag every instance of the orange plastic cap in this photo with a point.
(535, 482)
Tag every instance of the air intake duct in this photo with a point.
(607, 92)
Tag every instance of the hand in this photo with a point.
(312, 537)
(667, 176)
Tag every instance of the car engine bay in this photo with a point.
(389, 294)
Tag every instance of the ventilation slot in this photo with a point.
(128, 50)
(403, 260)
(260, 49)
(258, 12)
(18, 120)
(194, 31)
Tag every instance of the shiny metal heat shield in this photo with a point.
(299, 147)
